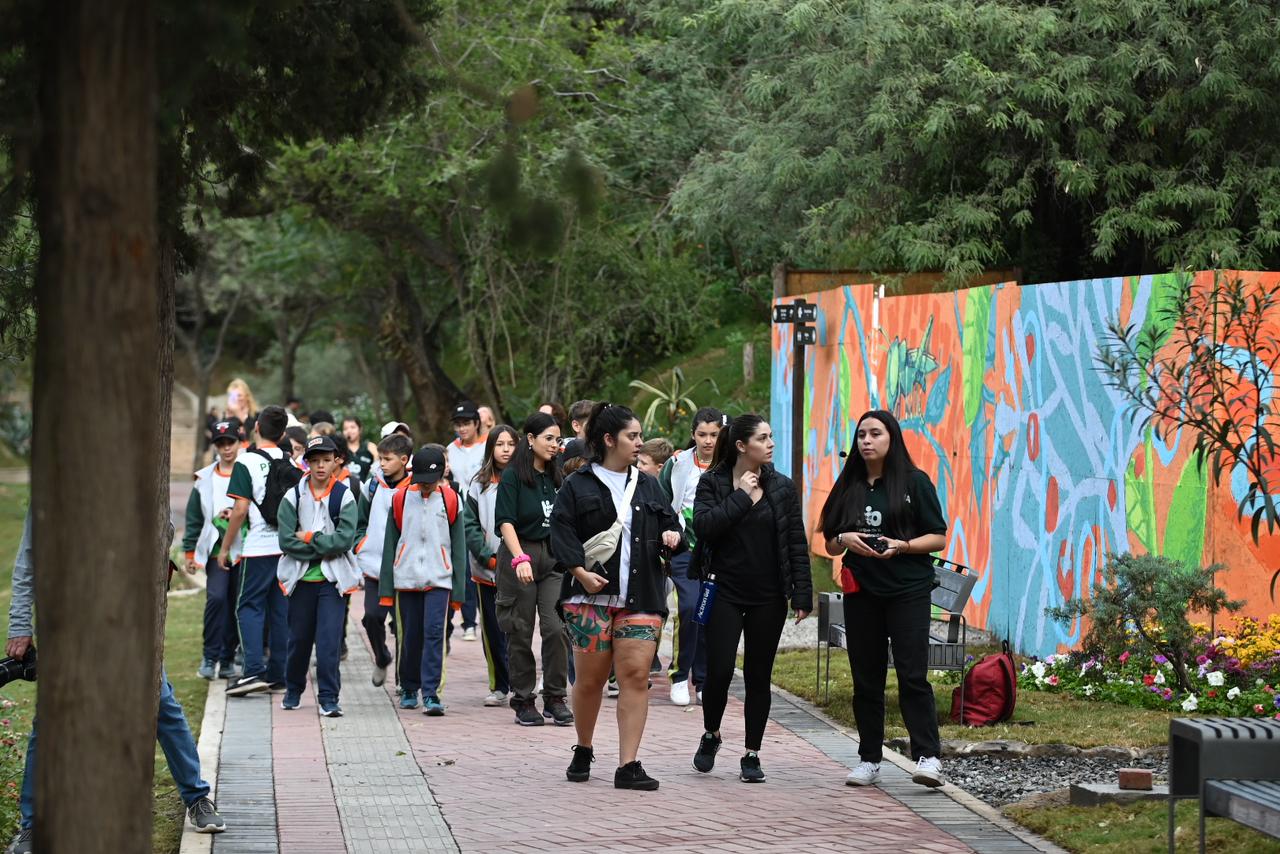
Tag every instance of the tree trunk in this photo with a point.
(433, 392)
(288, 360)
(97, 350)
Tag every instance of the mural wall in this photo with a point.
(1038, 465)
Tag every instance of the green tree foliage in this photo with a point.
(1072, 139)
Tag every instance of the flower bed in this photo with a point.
(1234, 673)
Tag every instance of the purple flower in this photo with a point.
(1160, 659)
(1167, 693)
(1277, 701)
(1202, 659)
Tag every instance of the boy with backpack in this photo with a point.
(424, 566)
(389, 476)
(258, 483)
(208, 510)
(465, 455)
(317, 528)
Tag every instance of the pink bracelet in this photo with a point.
(519, 559)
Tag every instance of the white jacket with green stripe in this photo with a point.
(308, 533)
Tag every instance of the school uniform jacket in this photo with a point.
(584, 507)
(200, 518)
(374, 510)
(482, 534)
(425, 550)
(308, 533)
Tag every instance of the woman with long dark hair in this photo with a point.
(484, 544)
(528, 577)
(751, 544)
(883, 514)
(614, 601)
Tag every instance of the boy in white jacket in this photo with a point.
(208, 510)
(390, 474)
(317, 524)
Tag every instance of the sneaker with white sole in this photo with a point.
(611, 688)
(495, 698)
(866, 774)
(469, 634)
(928, 772)
(23, 843)
(699, 698)
(379, 676)
(680, 693)
(204, 817)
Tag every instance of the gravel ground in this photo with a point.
(1004, 780)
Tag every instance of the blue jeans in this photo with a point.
(175, 740)
(317, 612)
(262, 607)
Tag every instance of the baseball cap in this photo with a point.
(428, 465)
(465, 411)
(391, 427)
(320, 445)
(321, 416)
(227, 428)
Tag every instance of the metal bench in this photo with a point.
(947, 641)
(1232, 765)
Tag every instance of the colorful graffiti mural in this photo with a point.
(1038, 463)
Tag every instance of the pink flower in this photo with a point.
(1148, 679)
(1124, 656)
(1257, 708)
(1053, 680)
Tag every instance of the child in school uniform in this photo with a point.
(424, 566)
(317, 525)
(483, 543)
(208, 510)
(465, 455)
(389, 475)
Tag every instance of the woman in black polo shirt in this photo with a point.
(883, 514)
(613, 607)
(528, 582)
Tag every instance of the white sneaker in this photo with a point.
(928, 772)
(866, 774)
(680, 693)
(495, 698)
(379, 676)
(699, 698)
(469, 634)
(611, 688)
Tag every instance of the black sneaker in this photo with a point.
(527, 715)
(705, 759)
(278, 687)
(632, 776)
(558, 711)
(751, 772)
(204, 818)
(247, 685)
(23, 843)
(580, 768)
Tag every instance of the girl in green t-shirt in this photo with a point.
(883, 514)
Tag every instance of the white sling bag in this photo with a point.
(601, 547)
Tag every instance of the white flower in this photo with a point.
(1233, 693)
(1259, 682)
(1050, 659)
(1215, 677)
(1190, 704)
(1159, 677)
(1037, 670)
(1088, 690)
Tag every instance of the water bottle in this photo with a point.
(706, 599)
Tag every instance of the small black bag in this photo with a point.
(282, 476)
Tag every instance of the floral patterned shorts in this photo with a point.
(593, 628)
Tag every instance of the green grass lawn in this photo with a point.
(17, 700)
(1138, 829)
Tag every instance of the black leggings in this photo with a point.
(762, 627)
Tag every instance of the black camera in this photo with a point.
(879, 545)
(18, 668)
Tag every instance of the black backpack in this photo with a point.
(335, 499)
(282, 476)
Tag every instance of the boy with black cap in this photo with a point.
(424, 566)
(208, 510)
(318, 519)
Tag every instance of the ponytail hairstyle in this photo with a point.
(849, 493)
(740, 429)
(489, 470)
(607, 419)
(535, 425)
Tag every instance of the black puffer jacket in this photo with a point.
(717, 506)
(584, 507)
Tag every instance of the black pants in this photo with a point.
(220, 635)
(760, 626)
(872, 623)
(316, 611)
(375, 622)
(493, 638)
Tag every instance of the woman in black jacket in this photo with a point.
(752, 544)
(613, 609)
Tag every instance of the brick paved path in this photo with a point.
(380, 779)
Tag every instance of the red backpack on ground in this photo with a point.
(990, 690)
